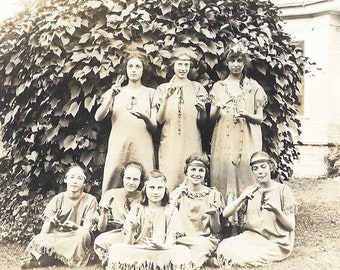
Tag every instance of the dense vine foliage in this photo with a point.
(59, 56)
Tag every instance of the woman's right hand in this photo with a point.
(117, 86)
(170, 90)
(134, 224)
(247, 195)
(55, 218)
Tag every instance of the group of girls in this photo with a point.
(169, 218)
(145, 227)
(177, 110)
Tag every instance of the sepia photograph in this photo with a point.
(170, 134)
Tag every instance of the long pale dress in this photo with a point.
(233, 142)
(157, 225)
(264, 240)
(129, 138)
(120, 206)
(180, 135)
(71, 247)
(199, 238)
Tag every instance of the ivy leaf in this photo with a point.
(89, 102)
(69, 142)
(74, 108)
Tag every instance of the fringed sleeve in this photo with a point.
(288, 202)
(260, 96)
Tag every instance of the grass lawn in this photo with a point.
(317, 244)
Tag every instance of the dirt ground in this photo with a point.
(317, 243)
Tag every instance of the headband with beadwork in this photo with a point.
(197, 163)
(253, 162)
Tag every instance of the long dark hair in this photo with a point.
(155, 174)
(140, 56)
(236, 49)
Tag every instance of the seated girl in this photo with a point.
(151, 229)
(199, 208)
(269, 222)
(66, 232)
(114, 207)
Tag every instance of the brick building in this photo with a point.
(315, 25)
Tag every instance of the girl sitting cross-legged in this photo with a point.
(269, 226)
(151, 230)
(66, 232)
(115, 206)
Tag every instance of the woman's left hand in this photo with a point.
(270, 207)
(212, 210)
(140, 115)
(200, 106)
(241, 114)
(153, 243)
(69, 225)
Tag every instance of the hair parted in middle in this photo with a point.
(138, 54)
(239, 48)
(201, 158)
(137, 165)
(155, 174)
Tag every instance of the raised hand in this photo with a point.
(170, 90)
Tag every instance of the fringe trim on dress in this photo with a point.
(51, 253)
(147, 265)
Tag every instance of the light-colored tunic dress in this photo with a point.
(120, 206)
(264, 240)
(233, 142)
(156, 225)
(199, 238)
(71, 247)
(180, 135)
(129, 138)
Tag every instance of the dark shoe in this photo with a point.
(212, 262)
(28, 264)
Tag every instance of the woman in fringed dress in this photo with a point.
(66, 234)
(115, 206)
(269, 227)
(151, 230)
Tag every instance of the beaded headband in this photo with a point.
(197, 163)
(259, 161)
(183, 57)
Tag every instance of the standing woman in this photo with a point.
(115, 206)
(133, 122)
(270, 209)
(237, 113)
(181, 112)
(199, 207)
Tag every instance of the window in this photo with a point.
(300, 44)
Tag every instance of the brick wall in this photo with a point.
(319, 27)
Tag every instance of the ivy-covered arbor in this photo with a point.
(59, 56)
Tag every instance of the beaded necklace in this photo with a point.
(234, 108)
(179, 113)
(235, 101)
